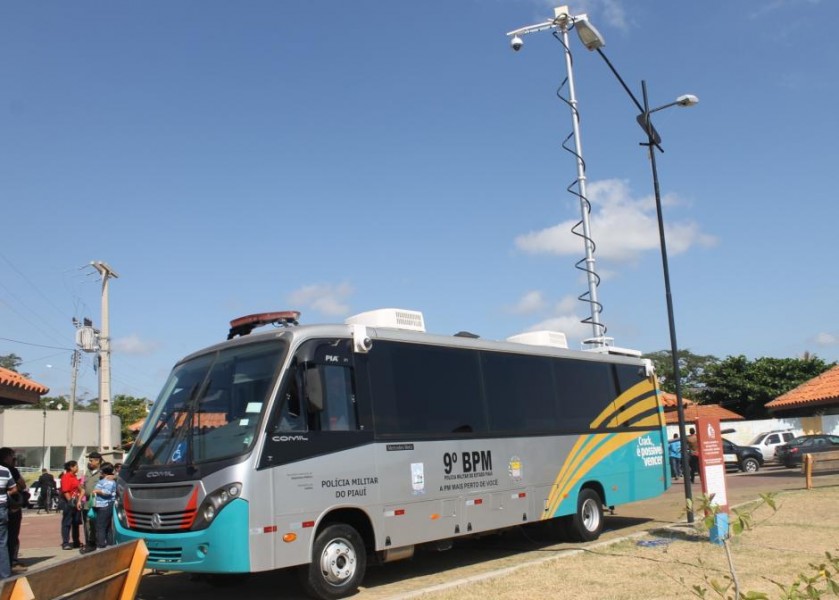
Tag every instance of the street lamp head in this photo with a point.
(589, 36)
(687, 100)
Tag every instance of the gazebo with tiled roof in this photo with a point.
(817, 395)
(693, 410)
(17, 389)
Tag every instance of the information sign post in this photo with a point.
(712, 471)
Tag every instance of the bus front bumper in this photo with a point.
(220, 548)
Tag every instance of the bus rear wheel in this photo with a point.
(586, 524)
(338, 563)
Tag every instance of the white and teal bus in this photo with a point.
(325, 447)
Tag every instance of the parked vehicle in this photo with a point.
(792, 454)
(49, 502)
(768, 441)
(743, 458)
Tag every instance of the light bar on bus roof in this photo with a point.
(244, 325)
(553, 339)
(394, 318)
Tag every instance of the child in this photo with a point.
(104, 493)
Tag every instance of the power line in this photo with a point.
(36, 345)
(34, 287)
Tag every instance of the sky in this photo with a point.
(337, 157)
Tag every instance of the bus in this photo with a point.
(326, 447)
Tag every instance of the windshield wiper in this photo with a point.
(190, 415)
(161, 425)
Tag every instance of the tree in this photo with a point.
(692, 367)
(746, 386)
(11, 361)
(130, 410)
(52, 403)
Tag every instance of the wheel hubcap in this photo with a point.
(591, 516)
(338, 561)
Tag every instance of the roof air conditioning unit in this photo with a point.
(394, 318)
(553, 339)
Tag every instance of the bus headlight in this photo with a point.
(209, 512)
(215, 501)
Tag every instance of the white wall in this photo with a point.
(745, 431)
(30, 432)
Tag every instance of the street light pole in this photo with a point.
(671, 320)
(44, 442)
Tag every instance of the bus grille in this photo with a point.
(165, 555)
(173, 521)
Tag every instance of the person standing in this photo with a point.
(71, 492)
(104, 495)
(7, 486)
(14, 505)
(94, 462)
(693, 448)
(675, 448)
(46, 483)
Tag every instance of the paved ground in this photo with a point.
(40, 546)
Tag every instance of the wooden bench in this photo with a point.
(821, 462)
(114, 572)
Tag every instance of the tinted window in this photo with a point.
(772, 439)
(584, 388)
(520, 392)
(425, 389)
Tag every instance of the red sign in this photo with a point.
(712, 461)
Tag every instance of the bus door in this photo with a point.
(319, 436)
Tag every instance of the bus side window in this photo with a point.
(330, 398)
(290, 419)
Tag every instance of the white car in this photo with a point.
(767, 441)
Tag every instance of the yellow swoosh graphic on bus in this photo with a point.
(589, 450)
(572, 476)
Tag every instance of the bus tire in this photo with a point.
(586, 524)
(339, 560)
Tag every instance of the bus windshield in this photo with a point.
(210, 407)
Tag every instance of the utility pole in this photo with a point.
(68, 447)
(104, 360)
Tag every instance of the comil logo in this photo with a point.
(290, 438)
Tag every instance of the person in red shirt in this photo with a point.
(71, 491)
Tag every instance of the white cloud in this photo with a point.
(570, 325)
(556, 316)
(325, 298)
(133, 345)
(566, 304)
(826, 339)
(530, 303)
(601, 13)
(622, 227)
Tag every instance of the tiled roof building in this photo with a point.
(819, 394)
(17, 389)
(693, 410)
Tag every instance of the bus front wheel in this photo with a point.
(586, 524)
(338, 563)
